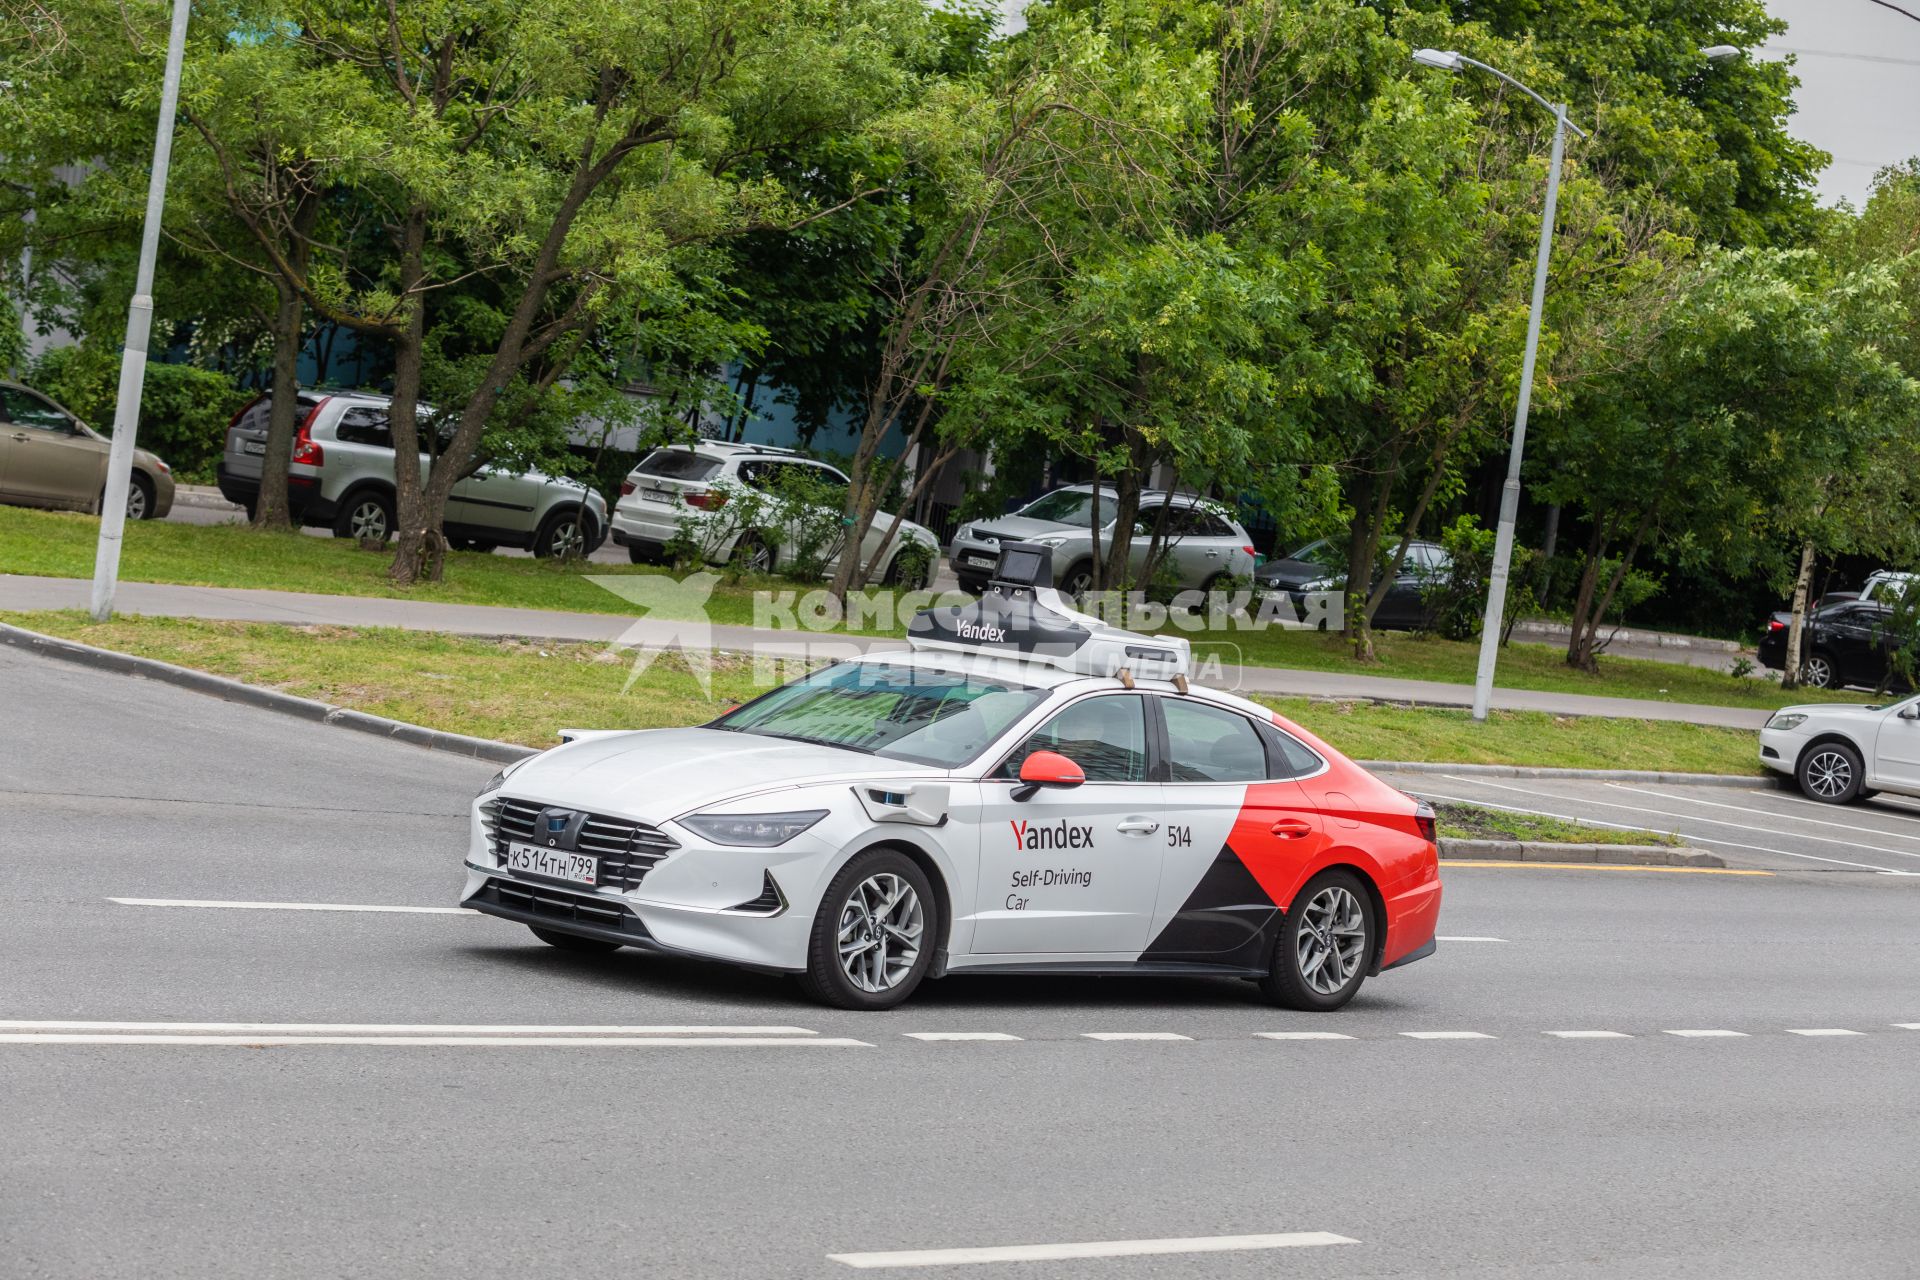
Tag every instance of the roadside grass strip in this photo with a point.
(1090, 1249)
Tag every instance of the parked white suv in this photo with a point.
(672, 482)
(1206, 547)
(341, 478)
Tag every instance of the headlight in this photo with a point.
(1784, 721)
(754, 830)
(966, 531)
(493, 783)
(1049, 542)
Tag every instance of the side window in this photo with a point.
(1288, 756)
(27, 410)
(1106, 736)
(1209, 744)
(364, 426)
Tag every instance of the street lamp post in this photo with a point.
(1446, 60)
(133, 356)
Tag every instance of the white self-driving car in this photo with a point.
(1026, 789)
(1839, 753)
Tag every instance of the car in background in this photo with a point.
(49, 458)
(1843, 644)
(1838, 753)
(341, 478)
(1883, 585)
(1206, 547)
(672, 482)
(1320, 567)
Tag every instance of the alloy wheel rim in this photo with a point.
(1829, 774)
(369, 521)
(881, 924)
(567, 539)
(1331, 943)
(136, 502)
(1818, 673)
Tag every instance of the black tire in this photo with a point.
(1830, 772)
(751, 555)
(826, 978)
(1077, 580)
(366, 514)
(139, 497)
(1293, 981)
(1818, 672)
(567, 531)
(573, 941)
(923, 578)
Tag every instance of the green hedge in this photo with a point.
(184, 410)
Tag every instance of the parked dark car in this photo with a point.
(1321, 566)
(1844, 644)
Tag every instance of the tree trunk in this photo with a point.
(1580, 642)
(271, 509)
(421, 550)
(1796, 632)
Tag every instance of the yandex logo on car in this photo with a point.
(1061, 835)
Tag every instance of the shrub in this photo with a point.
(799, 517)
(184, 410)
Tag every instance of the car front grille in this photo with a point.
(573, 912)
(627, 850)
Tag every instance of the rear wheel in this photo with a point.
(751, 555)
(1830, 772)
(873, 936)
(365, 515)
(1816, 671)
(573, 941)
(1325, 947)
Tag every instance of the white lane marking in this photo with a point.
(479, 1042)
(958, 1035)
(1750, 812)
(1591, 1035)
(399, 1028)
(1302, 1035)
(1595, 822)
(1819, 822)
(1446, 939)
(1091, 1249)
(1448, 1035)
(290, 906)
(1908, 1026)
(1134, 1035)
(1822, 1031)
(1699, 1033)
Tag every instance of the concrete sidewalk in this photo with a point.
(165, 600)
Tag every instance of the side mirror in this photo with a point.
(1047, 769)
(1909, 712)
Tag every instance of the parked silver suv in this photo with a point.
(342, 478)
(1207, 547)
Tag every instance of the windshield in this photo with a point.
(902, 713)
(1320, 551)
(1070, 506)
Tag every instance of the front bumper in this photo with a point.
(1780, 749)
(972, 560)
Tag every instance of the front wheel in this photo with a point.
(365, 515)
(566, 533)
(873, 936)
(1078, 580)
(139, 497)
(573, 941)
(1830, 772)
(1325, 947)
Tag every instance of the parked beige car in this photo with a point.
(49, 458)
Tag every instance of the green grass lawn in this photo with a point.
(522, 692)
(58, 544)
(1471, 822)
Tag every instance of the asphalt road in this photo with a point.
(1502, 1150)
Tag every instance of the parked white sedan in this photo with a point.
(1840, 753)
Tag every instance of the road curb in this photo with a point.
(1592, 775)
(274, 700)
(1629, 855)
(203, 496)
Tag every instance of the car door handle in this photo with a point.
(1138, 827)
(1292, 829)
(20, 437)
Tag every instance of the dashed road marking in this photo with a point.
(462, 1042)
(1591, 1035)
(1465, 939)
(1302, 1035)
(1822, 1031)
(1612, 866)
(400, 1028)
(1448, 1035)
(1090, 1249)
(1706, 1033)
(292, 906)
(1908, 1026)
(958, 1035)
(1134, 1035)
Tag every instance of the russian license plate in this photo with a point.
(657, 495)
(556, 864)
(253, 446)
(985, 562)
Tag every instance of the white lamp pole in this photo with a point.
(1447, 60)
(133, 357)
